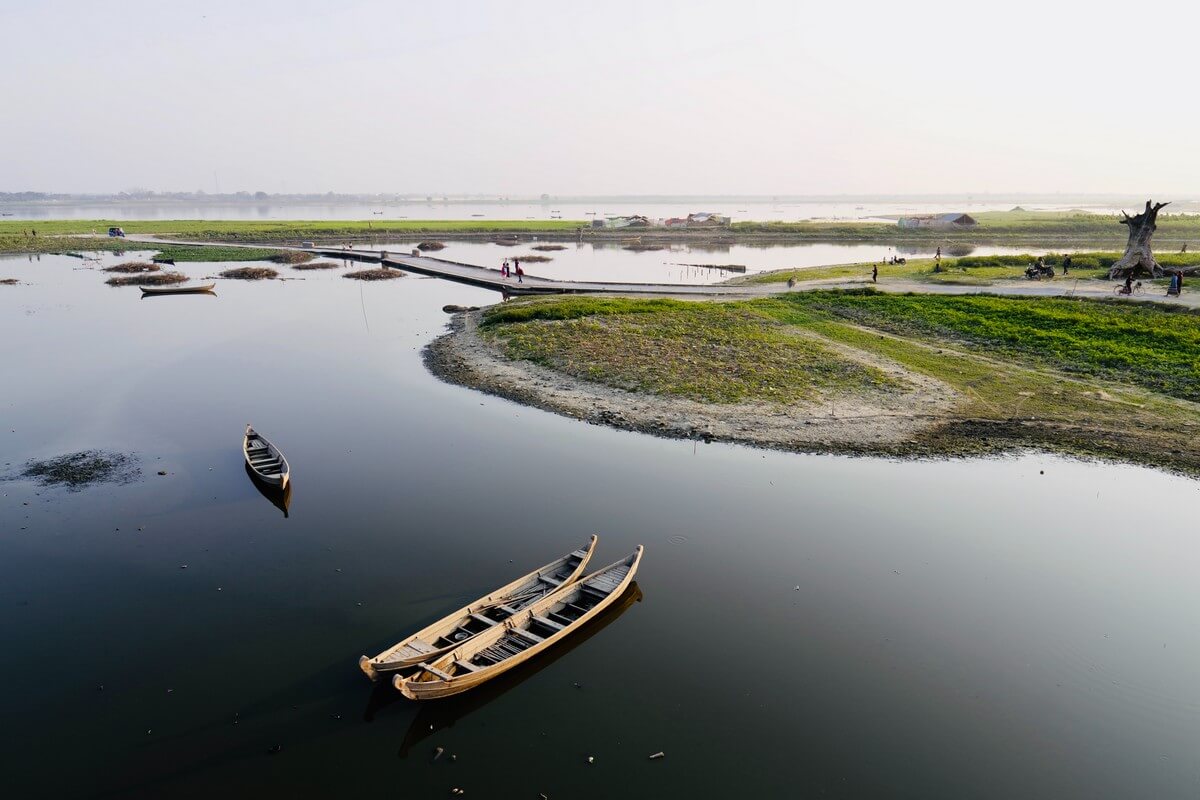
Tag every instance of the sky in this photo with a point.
(521, 98)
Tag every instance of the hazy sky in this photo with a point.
(600, 98)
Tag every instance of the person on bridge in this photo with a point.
(520, 272)
(504, 269)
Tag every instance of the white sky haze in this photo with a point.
(600, 98)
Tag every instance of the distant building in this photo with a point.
(707, 220)
(938, 221)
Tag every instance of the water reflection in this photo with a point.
(432, 717)
(280, 498)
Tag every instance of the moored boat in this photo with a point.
(205, 288)
(265, 459)
(487, 613)
(539, 627)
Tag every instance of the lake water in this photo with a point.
(784, 209)
(807, 626)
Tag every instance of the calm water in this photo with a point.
(684, 263)
(808, 626)
(787, 210)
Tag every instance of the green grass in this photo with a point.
(211, 253)
(716, 353)
(1156, 347)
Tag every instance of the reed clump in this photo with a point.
(431, 246)
(381, 274)
(149, 279)
(133, 266)
(549, 247)
(533, 259)
(292, 257)
(250, 273)
(316, 265)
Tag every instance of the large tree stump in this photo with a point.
(1138, 258)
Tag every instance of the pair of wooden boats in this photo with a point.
(503, 629)
(265, 460)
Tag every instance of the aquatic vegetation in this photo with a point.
(250, 273)
(9, 282)
(292, 257)
(431, 246)
(533, 259)
(85, 468)
(133, 266)
(549, 247)
(381, 274)
(149, 279)
(316, 265)
(210, 253)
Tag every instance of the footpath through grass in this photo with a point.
(1154, 346)
(1118, 380)
(716, 353)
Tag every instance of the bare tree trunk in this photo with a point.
(1138, 258)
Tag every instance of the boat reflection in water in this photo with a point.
(279, 498)
(433, 717)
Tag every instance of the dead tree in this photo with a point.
(1138, 258)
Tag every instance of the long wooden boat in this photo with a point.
(205, 288)
(486, 613)
(265, 460)
(541, 626)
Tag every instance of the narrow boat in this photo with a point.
(485, 614)
(265, 460)
(202, 289)
(539, 627)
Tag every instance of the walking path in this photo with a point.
(485, 278)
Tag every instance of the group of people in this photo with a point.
(508, 272)
(1176, 285)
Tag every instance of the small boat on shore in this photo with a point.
(533, 630)
(265, 460)
(205, 288)
(485, 614)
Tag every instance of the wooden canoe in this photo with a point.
(202, 289)
(265, 460)
(537, 628)
(486, 613)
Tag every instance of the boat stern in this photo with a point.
(368, 669)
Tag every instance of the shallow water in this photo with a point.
(808, 625)
(682, 263)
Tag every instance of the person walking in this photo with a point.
(520, 272)
(874, 273)
(504, 269)
(1066, 265)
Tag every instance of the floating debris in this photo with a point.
(549, 247)
(437, 752)
(275, 749)
(659, 754)
(9, 282)
(432, 246)
(533, 259)
(87, 467)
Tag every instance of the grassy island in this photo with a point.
(857, 371)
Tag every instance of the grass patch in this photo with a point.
(717, 353)
(381, 274)
(149, 279)
(316, 265)
(174, 253)
(431, 246)
(549, 248)
(85, 468)
(533, 259)
(250, 273)
(133, 266)
(1156, 347)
